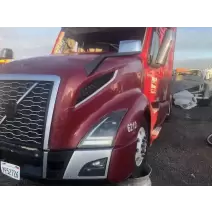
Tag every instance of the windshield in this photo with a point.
(99, 39)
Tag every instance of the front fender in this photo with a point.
(123, 155)
(132, 121)
(83, 118)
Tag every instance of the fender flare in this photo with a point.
(139, 110)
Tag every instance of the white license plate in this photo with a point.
(10, 170)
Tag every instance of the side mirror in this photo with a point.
(165, 48)
(6, 54)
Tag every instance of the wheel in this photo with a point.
(209, 140)
(141, 150)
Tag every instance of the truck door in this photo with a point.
(165, 73)
(157, 77)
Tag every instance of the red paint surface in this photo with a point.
(122, 163)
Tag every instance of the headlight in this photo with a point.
(103, 133)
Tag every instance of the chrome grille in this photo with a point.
(27, 126)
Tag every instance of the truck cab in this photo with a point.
(156, 79)
(91, 109)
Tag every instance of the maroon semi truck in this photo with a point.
(91, 109)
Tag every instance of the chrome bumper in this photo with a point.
(81, 157)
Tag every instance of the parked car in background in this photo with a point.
(194, 88)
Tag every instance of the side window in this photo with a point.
(154, 47)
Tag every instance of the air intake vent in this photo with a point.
(94, 86)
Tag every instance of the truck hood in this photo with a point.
(61, 65)
(70, 69)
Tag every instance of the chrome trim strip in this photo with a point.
(36, 77)
(81, 157)
(40, 77)
(45, 156)
(4, 117)
(50, 112)
(97, 91)
(145, 36)
(24, 95)
(30, 89)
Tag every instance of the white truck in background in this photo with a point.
(197, 89)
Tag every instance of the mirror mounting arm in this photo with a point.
(165, 48)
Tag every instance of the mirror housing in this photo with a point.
(6, 54)
(164, 48)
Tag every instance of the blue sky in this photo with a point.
(29, 41)
(192, 44)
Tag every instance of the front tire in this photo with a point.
(141, 150)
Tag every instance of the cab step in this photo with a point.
(155, 133)
(155, 110)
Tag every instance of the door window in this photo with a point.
(155, 45)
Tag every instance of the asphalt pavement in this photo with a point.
(181, 156)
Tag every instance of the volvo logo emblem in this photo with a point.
(10, 109)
